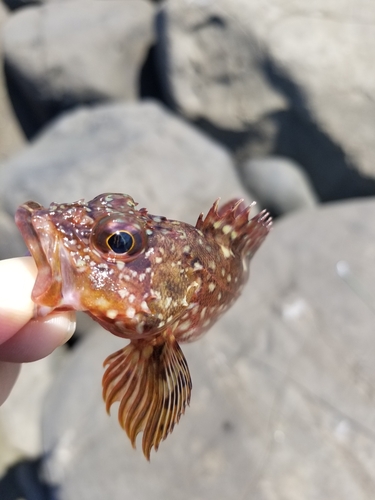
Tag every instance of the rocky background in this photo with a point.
(176, 103)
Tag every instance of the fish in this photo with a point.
(154, 281)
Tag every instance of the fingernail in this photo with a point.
(63, 322)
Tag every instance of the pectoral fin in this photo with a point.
(153, 386)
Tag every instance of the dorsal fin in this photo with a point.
(230, 225)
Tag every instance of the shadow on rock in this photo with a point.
(23, 480)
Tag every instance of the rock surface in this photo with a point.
(11, 242)
(139, 148)
(279, 184)
(66, 53)
(283, 397)
(11, 136)
(210, 64)
(295, 79)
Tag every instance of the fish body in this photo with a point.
(154, 281)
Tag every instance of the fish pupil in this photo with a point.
(121, 242)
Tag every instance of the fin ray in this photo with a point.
(153, 386)
(230, 225)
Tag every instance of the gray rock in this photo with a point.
(283, 397)
(11, 137)
(139, 148)
(16, 4)
(67, 53)
(321, 60)
(210, 64)
(285, 80)
(11, 243)
(322, 54)
(279, 184)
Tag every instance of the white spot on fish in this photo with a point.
(211, 287)
(185, 325)
(212, 265)
(111, 313)
(149, 252)
(140, 327)
(123, 293)
(120, 265)
(226, 252)
(145, 307)
(130, 312)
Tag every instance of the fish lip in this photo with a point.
(25, 219)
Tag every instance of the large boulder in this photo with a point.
(282, 404)
(292, 80)
(66, 53)
(210, 64)
(137, 148)
(279, 184)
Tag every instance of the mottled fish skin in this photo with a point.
(155, 281)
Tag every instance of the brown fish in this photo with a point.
(155, 281)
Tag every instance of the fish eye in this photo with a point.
(117, 238)
(121, 242)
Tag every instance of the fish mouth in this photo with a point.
(39, 235)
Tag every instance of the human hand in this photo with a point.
(23, 338)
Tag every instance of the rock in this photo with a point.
(20, 430)
(66, 53)
(17, 4)
(321, 59)
(279, 184)
(291, 82)
(210, 64)
(11, 243)
(21, 413)
(136, 148)
(282, 403)
(11, 137)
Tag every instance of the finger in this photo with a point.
(8, 376)
(38, 338)
(17, 277)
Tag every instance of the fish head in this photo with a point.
(126, 268)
